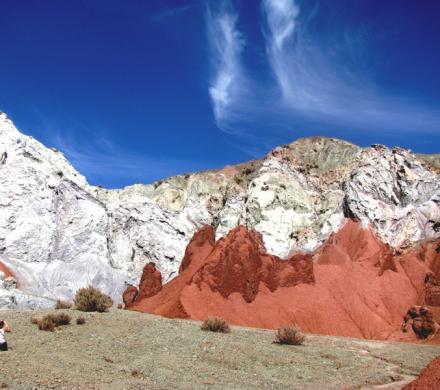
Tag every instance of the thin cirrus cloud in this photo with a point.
(313, 84)
(227, 83)
(317, 84)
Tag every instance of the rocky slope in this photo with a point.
(57, 233)
(353, 285)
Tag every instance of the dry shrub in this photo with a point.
(80, 320)
(62, 305)
(215, 324)
(291, 335)
(120, 306)
(91, 299)
(46, 323)
(34, 320)
(61, 319)
(50, 321)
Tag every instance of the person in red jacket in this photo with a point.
(4, 327)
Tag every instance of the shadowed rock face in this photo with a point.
(57, 233)
(353, 285)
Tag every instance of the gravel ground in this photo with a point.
(128, 350)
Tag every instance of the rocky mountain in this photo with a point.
(353, 285)
(58, 233)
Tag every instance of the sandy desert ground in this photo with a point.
(128, 350)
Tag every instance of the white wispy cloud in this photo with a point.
(226, 44)
(316, 83)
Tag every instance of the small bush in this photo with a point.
(46, 323)
(50, 321)
(61, 319)
(291, 335)
(80, 320)
(91, 299)
(215, 324)
(120, 306)
(62, 305)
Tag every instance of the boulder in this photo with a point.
(421, 321)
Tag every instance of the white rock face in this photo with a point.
(58, 234)
(53, 231)
(391, 190)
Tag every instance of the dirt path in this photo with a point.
(129, 350)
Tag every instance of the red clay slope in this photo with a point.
(354, 285)
(428, 379)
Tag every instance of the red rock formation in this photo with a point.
(354, 285)
(428, 379)
(129, 295)
(150, 284)
(201, 245)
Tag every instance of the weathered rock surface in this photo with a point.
(396, 194)
(53, 230)
(353, 285)
(421, 320)
(57, 233)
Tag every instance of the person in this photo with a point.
(4, 327)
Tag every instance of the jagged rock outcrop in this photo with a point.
(235, 266)
(57, 233)
(150, 284)
(353, 285)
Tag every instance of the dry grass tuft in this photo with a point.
(91, 299)
(290, 335)
(80, 320)
(62, 305)
(215, 324)
(34, 320)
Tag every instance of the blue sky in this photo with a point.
(137, 90)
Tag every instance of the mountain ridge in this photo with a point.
(295, 197)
